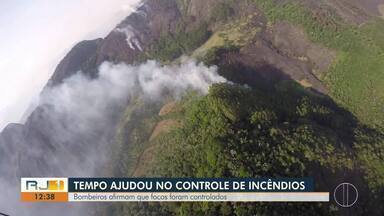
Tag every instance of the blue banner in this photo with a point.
(190, 185)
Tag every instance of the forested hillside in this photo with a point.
(303, 97)
(306, 100)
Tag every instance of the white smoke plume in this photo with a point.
(131, 37)
(75, 124)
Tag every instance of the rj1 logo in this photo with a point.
(52, 185)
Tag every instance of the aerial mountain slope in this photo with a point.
(313, 71)
(285, 45)
(302, 39)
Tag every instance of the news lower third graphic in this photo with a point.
(346, 195)
(171, 190)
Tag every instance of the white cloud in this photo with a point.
(79, 118)
(35, 35)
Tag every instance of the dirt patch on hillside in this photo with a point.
(147, 157)
(168, 108)
(293, 42)
(164, 127)
(280, 52)
(381, 9)
(144, 162)
(351, 11)
(370, 6)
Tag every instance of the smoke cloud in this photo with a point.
(70, 132)
(40, 33)
(131, 38)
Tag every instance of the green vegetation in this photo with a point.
(222, 11)
(183, 5)
(356, 79)
(171, 46)
(213, 54)
(233, 125)
(236, 131)
(236, 33)
(132, 136)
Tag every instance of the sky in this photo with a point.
(36, 34)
